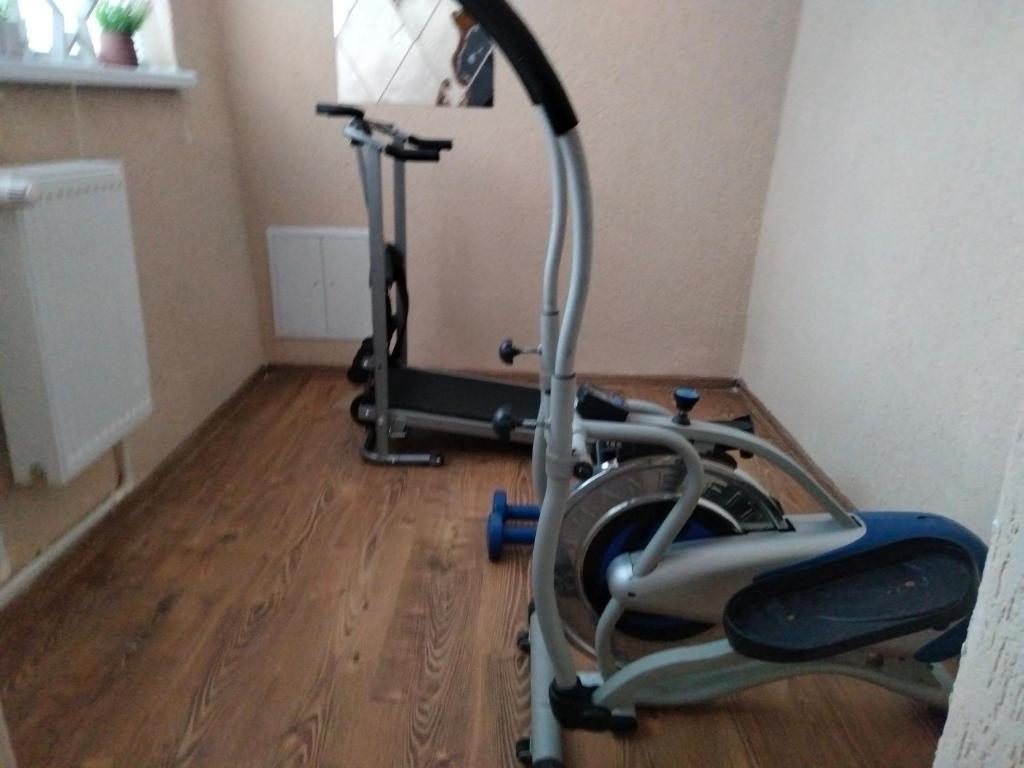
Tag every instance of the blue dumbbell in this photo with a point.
(500, 531)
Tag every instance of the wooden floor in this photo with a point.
(272, 601)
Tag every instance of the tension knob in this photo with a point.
(508, 351)
(504, 422)
(685, 399)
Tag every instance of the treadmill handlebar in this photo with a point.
(408, 154)
(422, 143)
(330, 109)
(423, 149)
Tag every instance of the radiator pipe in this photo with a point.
(125, 485)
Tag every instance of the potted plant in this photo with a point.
(12, 30)
(119, 20)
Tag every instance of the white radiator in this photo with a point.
(74, 376)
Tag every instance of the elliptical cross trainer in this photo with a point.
(677, 599)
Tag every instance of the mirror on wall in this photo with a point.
(412, 52)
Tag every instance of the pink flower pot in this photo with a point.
(116, 48)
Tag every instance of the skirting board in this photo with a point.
(793, 444)
(24, 577)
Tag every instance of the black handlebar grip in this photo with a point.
(523, 51)
(339, 110)
(438, 144)
(413, 155)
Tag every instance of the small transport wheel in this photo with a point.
(358, 372)
(358, 402)
(523, 754)
(523, 641)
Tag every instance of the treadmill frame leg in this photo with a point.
(371, 455)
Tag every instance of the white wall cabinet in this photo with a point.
(320, 282)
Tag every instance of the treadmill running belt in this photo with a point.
(445, 394)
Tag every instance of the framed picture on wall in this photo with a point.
(415, 52)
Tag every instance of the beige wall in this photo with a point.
(679, 104)
(885, 318)
(195, 274)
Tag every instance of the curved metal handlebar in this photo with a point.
(514, 38)
(519, 45)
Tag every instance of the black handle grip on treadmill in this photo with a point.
(438, 144)
(523, 51)
(413, 155)
(339, 110)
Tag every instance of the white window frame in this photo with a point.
(74, 61)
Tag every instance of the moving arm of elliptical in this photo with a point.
(722, 434)
(596, 404)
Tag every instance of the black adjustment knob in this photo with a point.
(508, 351)
(504, 422)
(583, 470)
(685, 398)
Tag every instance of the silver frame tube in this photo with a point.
(545, 735)
(549, 301)
(689, 495)
(714, 669)
(559, 421)
(370, 165)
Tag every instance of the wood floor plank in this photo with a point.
(273, 601)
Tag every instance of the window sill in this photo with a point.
(96, 75)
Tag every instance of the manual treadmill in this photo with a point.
(398, 397)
